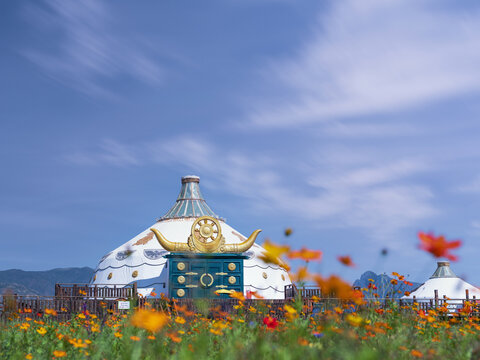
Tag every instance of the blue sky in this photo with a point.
(354, 123)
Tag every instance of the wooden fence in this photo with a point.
(71, 299)
(102, 291)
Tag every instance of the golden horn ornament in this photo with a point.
(244, 246)
(169, 245)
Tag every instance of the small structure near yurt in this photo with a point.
(444, 285)
(191, 252)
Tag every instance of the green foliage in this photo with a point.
(338, 334)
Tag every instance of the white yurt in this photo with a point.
(142, 259)
(447, 284)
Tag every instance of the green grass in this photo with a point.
(332, 335)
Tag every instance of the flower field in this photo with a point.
(348, 326)
(339, 333)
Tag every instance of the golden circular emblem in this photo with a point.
(232, 280)
(202, 278)
(180, 292)
(206, 234)
(135, 274)
(181, 266)
(181, 279)
(283, 277)
(232, 266)
(109, 276)
(264, 274)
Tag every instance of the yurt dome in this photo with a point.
(142, 259)
(447, 285)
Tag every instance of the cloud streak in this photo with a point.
(371, 57)
(86, 53)
(378, 196)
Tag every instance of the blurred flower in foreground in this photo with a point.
(346, 260)
(149, 320)
(336, 287)
(272, 253)
(333, 285)
(305, 255)
(438, 246)
(301, 275)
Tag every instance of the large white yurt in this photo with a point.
(143, 259)
(447, 284)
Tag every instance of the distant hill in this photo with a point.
(384, 286)
(42, 282)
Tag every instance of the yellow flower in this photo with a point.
(29, 357)
(81, 316)
(42, 331)
(354, 320)
(180, 320)
(59, 353)
(118, 335)
(272, 254)
(150, 320)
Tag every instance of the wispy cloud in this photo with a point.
(373, 56)
(83, 50)
(379, 195)
(471, 187)
(109, 152)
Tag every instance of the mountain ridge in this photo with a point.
(41, 283)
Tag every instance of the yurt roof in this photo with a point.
(446, 283)
(190, 201)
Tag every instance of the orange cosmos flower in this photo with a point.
(334, 286)
(301, 275)
(237, 295)
(174, 337)
(416, 353)
(272, 253)
(305, 255)
(150, 320)
(135, 338)
(50, 312)
(59, 353)
(438, 246)
(346, 260)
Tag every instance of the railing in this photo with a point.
(97, 291)
(305, 292)
(36, 306)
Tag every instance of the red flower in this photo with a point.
(346, 260)
(438, 246)
(271, 322)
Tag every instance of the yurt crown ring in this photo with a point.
(206, 234)
(206, 229)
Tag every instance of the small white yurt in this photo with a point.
(447, 284)
(142, 259)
